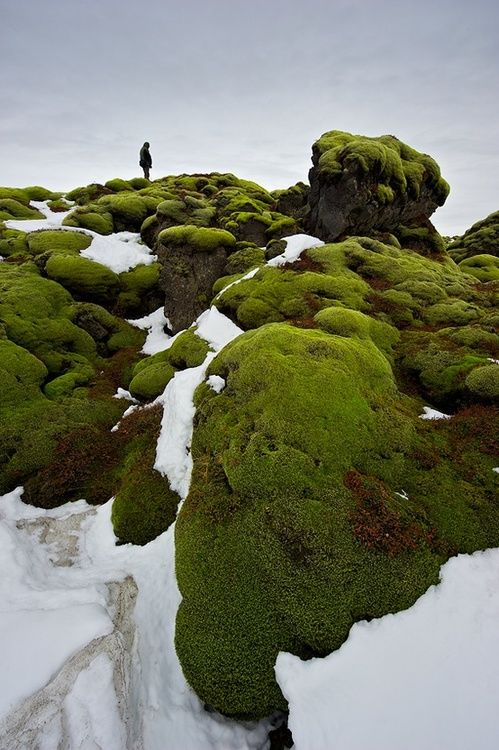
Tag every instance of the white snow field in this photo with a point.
(120, 251)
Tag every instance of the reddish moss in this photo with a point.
(375, 524)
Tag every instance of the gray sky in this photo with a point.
(246, 87)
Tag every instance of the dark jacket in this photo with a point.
(145, 157)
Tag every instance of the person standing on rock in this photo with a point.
(145, 159)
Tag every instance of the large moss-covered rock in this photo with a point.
(481, 239)
(293, 528)
(360, 184)
(192, 259)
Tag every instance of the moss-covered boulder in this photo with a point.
(313, 503)
(192, 259)
(83, 277)
(481, 239)
(359, 184)
(149, 382)
(92, 217)
(140, 293)
(483, 267)
(144, 505)
(188, 350)
(56, 241)
(13, 209)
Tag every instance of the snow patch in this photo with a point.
(52, 220)
(423, 678)
(154, 323)
(216, 383)
(120, 251)
(215, 328)
(429, 413)
(295, 245)
(122, 393)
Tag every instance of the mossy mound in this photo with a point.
(483, 267)
(248, 256)
(94, 217)
(199, 239)
(144, 505)
(139, 290)
(13, 243)
(292, 529)
(188, 350)
(151, 381)
(152, 374)
(59, 242)
(481, 239)
(83, 277)
(13, 209)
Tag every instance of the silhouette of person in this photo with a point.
(145, 159)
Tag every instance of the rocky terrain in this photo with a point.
(309, 493)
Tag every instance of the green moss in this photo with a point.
(87, 194)
(483, 382)
(82, 276)
(351, 323)
(281, 226)
(13, 243)
(275, 294)
(198, 238)
(118, 185)
(144, 507)
(12, 209)
(99, 220)
(456, 312)
(188, 350)
(136, 285)
(151, 381)
(385, 194)
(57, 241)
(38, 193)
(139, 183)
(80, 374)
(36, 315)
(481, 239)
(483, 267)
(16, 194)
(244, 260)
(22, 374)
(425, 240)
(128, 209)
(192, 211)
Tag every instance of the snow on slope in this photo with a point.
(120, 251)
(423, 678)
(147, 702)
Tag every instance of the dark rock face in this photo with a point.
(359, 185)
(187, 278)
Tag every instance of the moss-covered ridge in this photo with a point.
(445, 323)
(480, 239)
(293, 528)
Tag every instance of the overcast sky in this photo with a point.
(246, 86)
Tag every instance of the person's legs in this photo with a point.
(146, 172)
